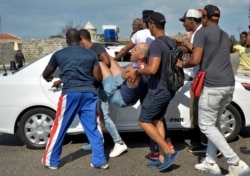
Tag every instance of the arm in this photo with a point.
(195, 59)
(248, 38)
(47, 73)
(232, 41)
(97, 73)
(124, 50)
(104, 57)
(150, 69)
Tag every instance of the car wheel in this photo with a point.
(34, 127)
(230, 123)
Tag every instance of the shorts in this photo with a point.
(111, 86)
(154, 107)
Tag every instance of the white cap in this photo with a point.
(191, 13)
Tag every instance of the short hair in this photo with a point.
(72, 35)
(244, 33)
(84, 33)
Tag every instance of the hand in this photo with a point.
(57, 83)
(179, 63)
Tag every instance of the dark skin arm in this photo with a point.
(104, 57)
(124, 50)
(232, 49)
(47, 73)
(195, 59)
(97, 73)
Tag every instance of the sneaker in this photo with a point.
(154, 164)
(52, 167)
(87, 147)
(103, 166)
(168, 160)
(118, 149)
(209, 168)
(240, 170)
(198, 148)
(154, 156)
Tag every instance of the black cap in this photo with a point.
(157, 18)
(146, 14)
(212, 12)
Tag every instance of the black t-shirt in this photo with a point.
(160, 50)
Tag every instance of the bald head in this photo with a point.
(139, 52)
(143, 48)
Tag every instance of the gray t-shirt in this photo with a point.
(219, 72)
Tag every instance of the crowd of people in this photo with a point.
(91, 77)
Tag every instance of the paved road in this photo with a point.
(16, 159)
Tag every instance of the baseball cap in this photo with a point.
(212, 12)
(191, 13)
(146, 14)
(157, 18)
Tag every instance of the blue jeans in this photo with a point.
(212, 103)
(111, 86)
(106, 120)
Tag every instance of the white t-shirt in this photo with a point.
(197, 67)
(143, 35)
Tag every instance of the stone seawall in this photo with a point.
(32, 49)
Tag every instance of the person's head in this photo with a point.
(137, 24)
(145, 16)
(85, 36)
(72, 36)
(156, 23)
(139, 52)
(243, 38)
(191, 19)
(210, 13)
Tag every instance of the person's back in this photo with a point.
(76, 63)
(19, 58)
(79, 68)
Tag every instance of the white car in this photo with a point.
(28, 105)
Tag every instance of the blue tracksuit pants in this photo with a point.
(69, 105)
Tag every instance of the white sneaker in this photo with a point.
(118, 149)
(104, 166)
(209, 168)
(240, 170)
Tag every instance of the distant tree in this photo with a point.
(56, 36)
(68, 25)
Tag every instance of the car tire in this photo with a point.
(34, 127)
(230, 123)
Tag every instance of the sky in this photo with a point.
(35, 19)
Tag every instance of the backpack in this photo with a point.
(173, 76)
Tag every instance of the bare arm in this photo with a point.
(150, 69)
(124, 50)
(195, 59)
(104, 57)
(97, 73)
(47, 73)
